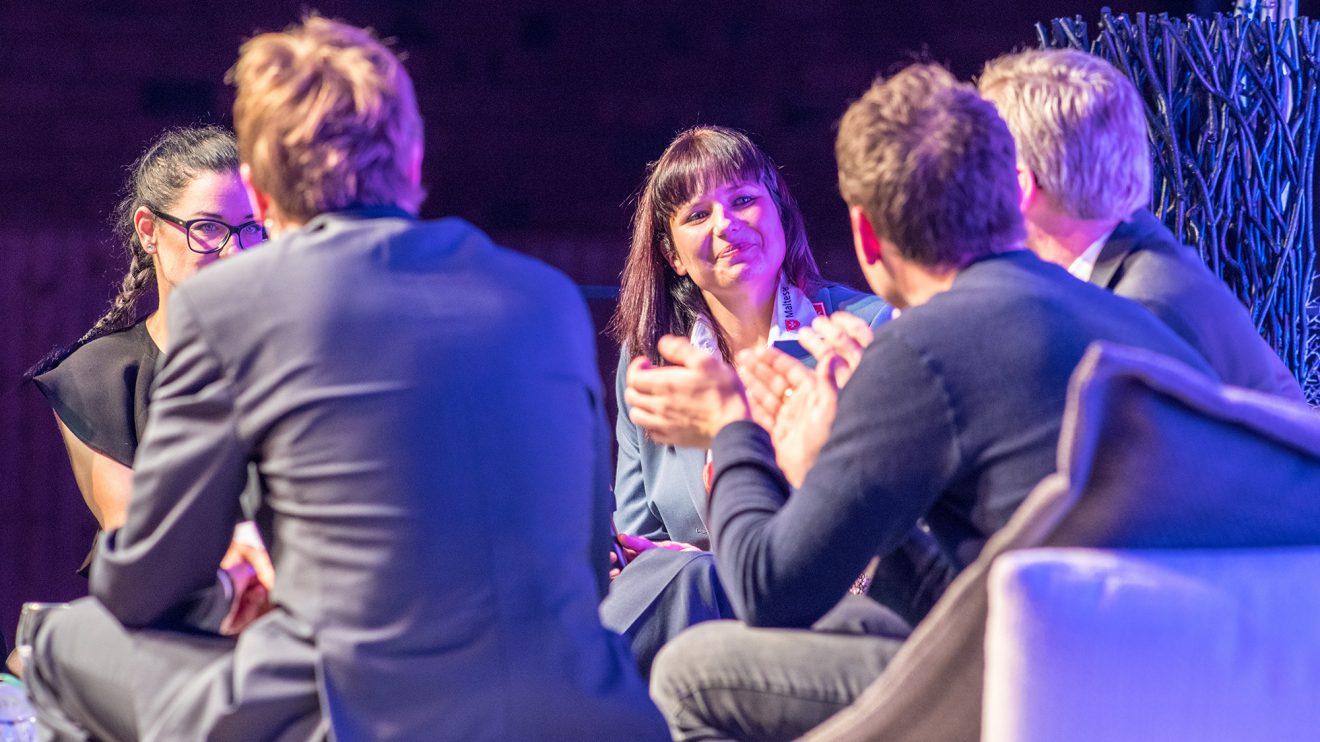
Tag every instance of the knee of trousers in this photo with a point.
(43, 675)
(45, 659)
(684, 666)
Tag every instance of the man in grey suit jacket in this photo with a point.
(1085, 174)
(424, 411)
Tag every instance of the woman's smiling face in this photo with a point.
(728, 238)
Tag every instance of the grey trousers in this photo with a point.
(90, 678)
(723, 680)
(77, 676)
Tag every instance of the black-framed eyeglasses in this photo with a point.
(206, 236)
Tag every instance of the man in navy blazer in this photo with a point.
(952, 414)
(1084, 169)
(425, 414)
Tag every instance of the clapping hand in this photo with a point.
(841, 336)
(687, 403)
(795, 404)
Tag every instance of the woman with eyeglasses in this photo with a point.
(183, 207)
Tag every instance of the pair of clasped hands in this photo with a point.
(251, 576)
(688, 402)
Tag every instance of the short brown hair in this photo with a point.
(932, 166)
(326, 118)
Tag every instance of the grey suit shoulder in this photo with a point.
(1143, 261)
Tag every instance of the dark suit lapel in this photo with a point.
(1125, 238)
(1116, 249)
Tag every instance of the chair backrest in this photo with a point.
(1152, 455)
(1151, 645)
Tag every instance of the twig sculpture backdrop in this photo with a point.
(1231, 102)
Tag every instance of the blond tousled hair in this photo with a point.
(1080, 127)
(326, 118)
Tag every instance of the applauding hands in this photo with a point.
(687, 403)
(839, 338)
(794, 404)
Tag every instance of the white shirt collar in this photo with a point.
(1084, 264)
(793, 311)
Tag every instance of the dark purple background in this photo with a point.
(540, 119)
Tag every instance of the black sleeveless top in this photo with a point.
(100, 393)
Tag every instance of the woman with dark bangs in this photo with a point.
(719, 254)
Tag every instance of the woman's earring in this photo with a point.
(149, 248)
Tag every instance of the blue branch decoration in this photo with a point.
(1231, 103)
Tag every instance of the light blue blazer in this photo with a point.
(658, 489)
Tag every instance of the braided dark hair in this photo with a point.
(156, 180)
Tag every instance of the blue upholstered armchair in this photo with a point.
(1192, 610)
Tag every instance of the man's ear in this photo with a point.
(869, 246)
(260, 201)
(1028, 187)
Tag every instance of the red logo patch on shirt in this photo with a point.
(819, 306)
(792, 324)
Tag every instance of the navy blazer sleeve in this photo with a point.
(190, 470)
(892, 450)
